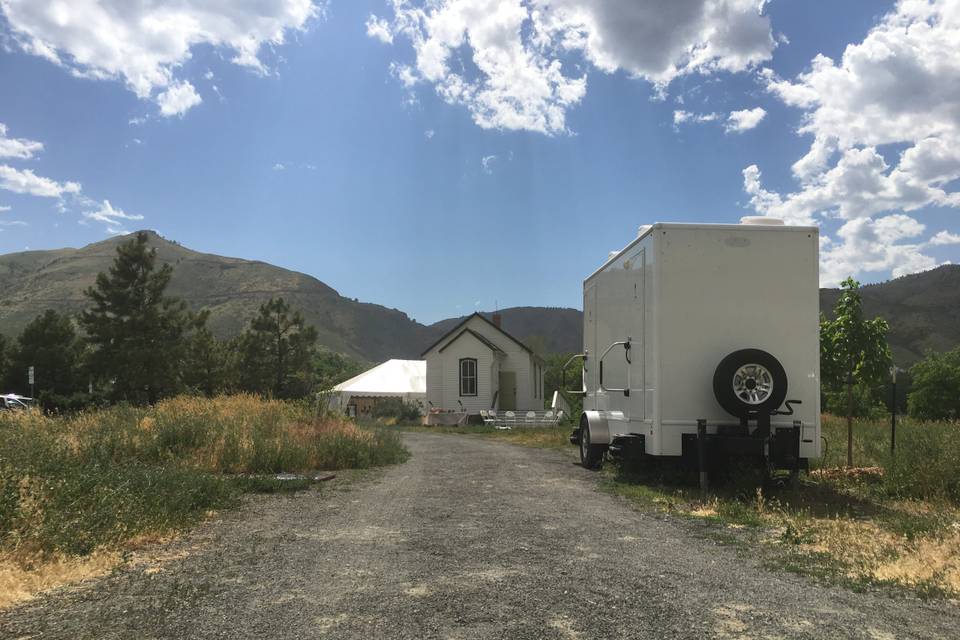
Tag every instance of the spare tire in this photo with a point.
(750, 382)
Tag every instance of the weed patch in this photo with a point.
(75, 487)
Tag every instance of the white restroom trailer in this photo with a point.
(702, 341)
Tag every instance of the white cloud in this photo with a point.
(27, 182)
(113, 218)
(5, 207)
(278, 166)
(12, 223)
(19, 148)
(744, 120)
(680, 117)
(868, 245)
(897, 86)
(944, 238)
(178, 99)
(380, 29)
(504, 59)
(429, 133)
(487, 162)
(146, 43)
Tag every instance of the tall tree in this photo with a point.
(135, 330)
(51, 346)
(276, 352)
(852, 350)
(207, 361)
(5, 348)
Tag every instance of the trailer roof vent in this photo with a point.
(762, 220)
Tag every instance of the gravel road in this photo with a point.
(470, 539)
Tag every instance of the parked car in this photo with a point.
(14, 402)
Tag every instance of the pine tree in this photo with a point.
(49, 344)
(135, 331)
(276, 352)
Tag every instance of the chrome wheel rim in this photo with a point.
(753, 384)
(584, 443)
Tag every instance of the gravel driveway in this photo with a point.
(470, 539)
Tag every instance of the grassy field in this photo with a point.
(76, 491)
(886, 522)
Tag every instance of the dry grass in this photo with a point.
(75, 491)
(22, 578)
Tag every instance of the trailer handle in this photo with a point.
(626, 351)
(789, 411)
(583, 378)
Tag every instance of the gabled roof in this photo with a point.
(460, 325)
(478, 336)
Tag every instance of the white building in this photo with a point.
(477, 365)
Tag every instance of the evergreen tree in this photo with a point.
(207, 361)
(5, 348)
(276, 352)
(51, 346)
(134, 330)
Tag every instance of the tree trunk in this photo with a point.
(849, 423)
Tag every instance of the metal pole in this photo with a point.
(702, 455)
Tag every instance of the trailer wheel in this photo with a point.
(591, 455)
(750, 382)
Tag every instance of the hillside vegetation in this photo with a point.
(923, 309)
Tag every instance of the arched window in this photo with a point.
(468, 376)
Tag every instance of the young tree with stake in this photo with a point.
(852, 350)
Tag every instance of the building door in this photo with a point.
(508, 390)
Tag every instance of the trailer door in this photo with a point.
(637, 333)
(590, 346)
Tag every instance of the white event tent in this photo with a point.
(405, 379)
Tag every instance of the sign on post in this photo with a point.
(30, 375)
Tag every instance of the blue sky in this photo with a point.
(470, 153)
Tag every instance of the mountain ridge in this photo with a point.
(923, 309)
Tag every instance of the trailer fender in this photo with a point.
(599, 429)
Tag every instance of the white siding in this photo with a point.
(443, 369)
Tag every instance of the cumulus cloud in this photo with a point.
(19, 148)
(504, 59)
(27, 182)
(146, 43)
(380, 29)
(744, 120)
(944, 237)
(896, 86)
(179, 98)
